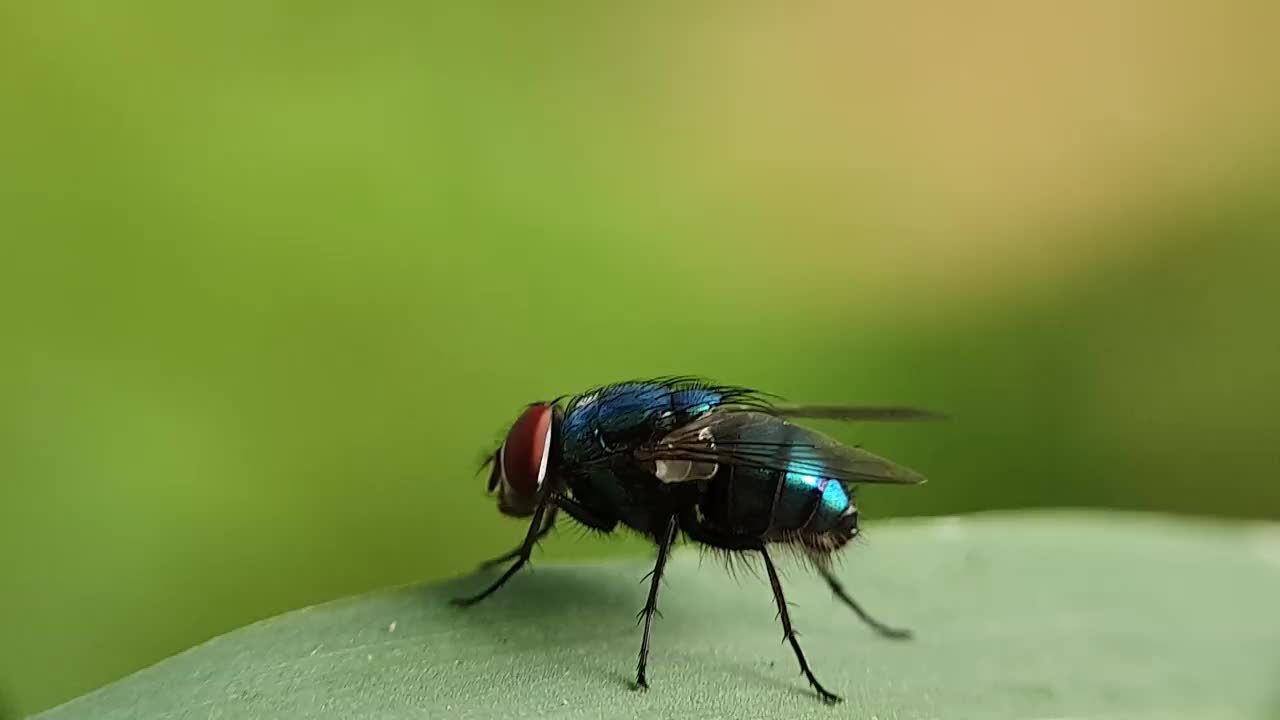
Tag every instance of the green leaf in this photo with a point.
(1069, 615)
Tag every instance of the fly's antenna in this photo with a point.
(489, 458)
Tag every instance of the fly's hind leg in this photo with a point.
(789, 632)
(699, 532)
(837, 588)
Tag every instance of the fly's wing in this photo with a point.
(854, 413)
(760, 439)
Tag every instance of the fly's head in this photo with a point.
(519, 467)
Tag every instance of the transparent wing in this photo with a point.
(754, 438)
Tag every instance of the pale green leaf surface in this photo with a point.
(1068, 615)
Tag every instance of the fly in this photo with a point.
(722, 466)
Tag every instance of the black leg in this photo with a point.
(515, 552)
(651, 607)
(838, 589)
(790, 634)
(574, 510)
(530, 539)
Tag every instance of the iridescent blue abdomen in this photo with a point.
(770, 503)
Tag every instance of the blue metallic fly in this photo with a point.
(721, 465)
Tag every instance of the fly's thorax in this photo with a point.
(624, 417)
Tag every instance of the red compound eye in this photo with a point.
(524, 454)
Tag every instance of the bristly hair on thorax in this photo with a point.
(729, 394)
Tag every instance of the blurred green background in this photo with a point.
(274, 276)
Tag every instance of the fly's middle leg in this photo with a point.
(651, 606)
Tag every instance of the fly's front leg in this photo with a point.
(574, 510)
(547, 525)
(522, 556)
